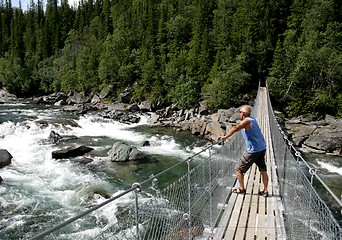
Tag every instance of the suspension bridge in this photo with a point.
(200, 205)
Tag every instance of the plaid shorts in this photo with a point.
(248, 159)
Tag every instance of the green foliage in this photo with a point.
(178, 52)
(69, 81)
(87, 61)
(225, 83)
(185, 94)
(338, 105)
(322, 103)
(7, 74)
(118, 61)
(306, 72)
(46, 74)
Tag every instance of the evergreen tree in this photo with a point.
(176, 51)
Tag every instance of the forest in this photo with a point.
(178, 52)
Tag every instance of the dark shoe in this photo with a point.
(238, 191)
(262, 193)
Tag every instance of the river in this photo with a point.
(329, 169)
(39, 192)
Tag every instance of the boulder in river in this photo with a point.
(82, 159)
(122, 152)
(71, 152)
(55, 137)
(5, 158)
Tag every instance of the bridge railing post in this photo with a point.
(189, 201)
(136, 203)
(209, 189)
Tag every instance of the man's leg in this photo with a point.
(240, 177)
(245, 163)
(264, 178)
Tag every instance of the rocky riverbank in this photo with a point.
(323, 136)
(308, 134)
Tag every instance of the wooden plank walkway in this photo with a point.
(251, 216)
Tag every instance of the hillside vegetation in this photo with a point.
(178, 51)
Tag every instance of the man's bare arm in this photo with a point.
(243, 124)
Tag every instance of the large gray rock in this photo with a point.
(4, 94)
(122, 116)
(122, 152)
(325, 141)
(125, 96)
(322, 136)
(96, 99)
(145, 106)
(300, 132)
(226, 114)
(153, 119)
(133, 108)
(53, 98)
(80, 108)
(214, 129)
(197, 125)
(5, 158)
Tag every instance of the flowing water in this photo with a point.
(38, 192)
(329, 169)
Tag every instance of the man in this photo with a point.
(256, 148)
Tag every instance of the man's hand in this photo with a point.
(221, 137)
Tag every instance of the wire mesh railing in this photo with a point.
(188, 208)
(307, 215)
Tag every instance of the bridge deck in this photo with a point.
(251, 216)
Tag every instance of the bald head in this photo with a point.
(246, 109)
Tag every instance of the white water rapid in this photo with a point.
(38, 192)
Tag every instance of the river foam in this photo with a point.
(37, 189)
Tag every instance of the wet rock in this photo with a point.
(56, 138)
(81, 108)
(52, 98)
(5, 158)
(121, 116)
(83, 160)
(146, 144)
(122, 152)
(71, 152)
(153, 119)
